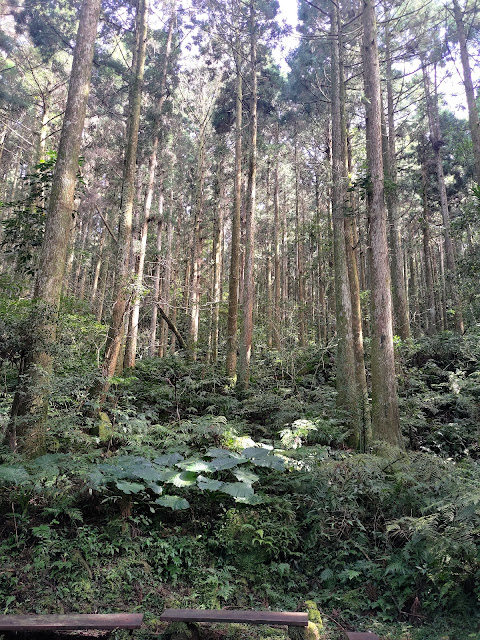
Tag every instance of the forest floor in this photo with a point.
(187, 496)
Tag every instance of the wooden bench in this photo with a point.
(289, 618)
(71, 622)
(292, 619)
(191, 616)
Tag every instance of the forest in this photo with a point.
(240, 312)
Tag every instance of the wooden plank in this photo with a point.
(71, 622)
(356, 635)
(292, 619)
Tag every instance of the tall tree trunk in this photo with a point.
(431, 316)
(385, 418)
(156, 275)
(132, 336)
(473, 118)
(443, 287)
(175, 278)
(322, 302)
(399, 291)
(249, 285)
(122, 298)
(217, 262)
(233, 284)
(351, 240)
(76, 226)
(299, 256)
(98, 298)
(133, 264)
(438, 288)
(284, 260)
(277, 273)
(197, 246)
(42, 136)
(98, 266)
(82, 267)
(3, 135)
(167, 282)
(27, 425)
(100, 302)
(437, 142)
(270, 297)
(131, 345)
(413, 291)
(348, 398)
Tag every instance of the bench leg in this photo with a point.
(182, 631)
(304, 633)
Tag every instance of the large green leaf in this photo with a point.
(237, 489)
(220, 464)
(133, 468)
(13, 475)
(263, 457)
(168, 460)
(173, 502)
(156, 488)
(183, 479)
(255, 452)
(112, 472)
(215, 452)
(246, 476)
(270, 462)
(129, 487)
(196, 465)
(96, 479)
(47, 466)
(207, 484)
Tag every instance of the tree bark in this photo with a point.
(431, 316)
(249, 284)
(473, 118)
(234, 277)
(348, 398)
(131, 345)
(197, 246)
(351, 241)
(217, 252)
(277, 273)
(400, 306)
(27, 425)
(437, 142)
(385, 418)
(167, 281)
(121, 294)
(156, 275)
(99, 259)
(299, 256)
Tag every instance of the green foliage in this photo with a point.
(126, 475)
(440, 395)
(199, 510)
(24, 226)
(396, 531)
(134, 474)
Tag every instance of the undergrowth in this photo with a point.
(189, 496)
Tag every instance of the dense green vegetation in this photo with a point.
(189, 496)
(239, 313)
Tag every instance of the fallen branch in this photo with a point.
(172, 326)
(106, 225)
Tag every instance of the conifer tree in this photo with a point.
(28, 416)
